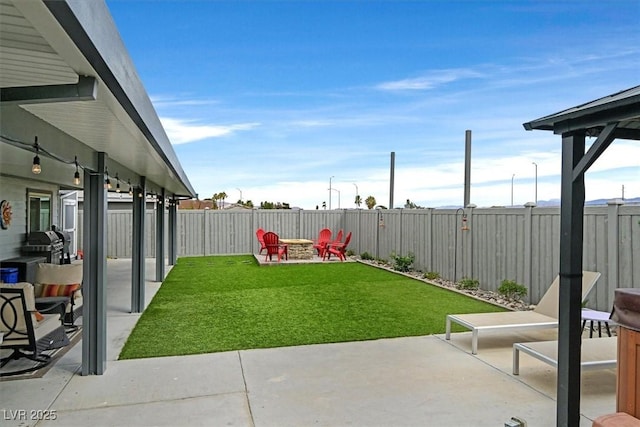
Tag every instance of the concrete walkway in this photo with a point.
(416, 381)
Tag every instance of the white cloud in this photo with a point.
(167, 101)
(430, 80)
(185, 131)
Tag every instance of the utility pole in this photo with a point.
(391, 178)
(467, 168)
(330, 178)
(512, 176)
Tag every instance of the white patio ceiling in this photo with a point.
(56, 43)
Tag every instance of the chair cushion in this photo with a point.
(52, 290)
(65, 274)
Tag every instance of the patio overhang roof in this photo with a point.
(66, 78)
(608, 118)
(592, 117)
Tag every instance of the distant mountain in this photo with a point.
(556, 203)
(547, 203)
(596, 202)
(633, 201)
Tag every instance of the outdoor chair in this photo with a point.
(54, 283)
(274, 247)
(26, 331)
(324, 236)
(338, 249)
(260, 236)
(544, 316)
(338, 239)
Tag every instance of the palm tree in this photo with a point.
(370, 202)
(358, 200)
(223, 195)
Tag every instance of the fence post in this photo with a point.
(401, 225)
(467, 247)
(205, 230)
(300, 224)
(429, 239)
(254, 224)
(528, 246)
(379, 225)
(613, 245)
(359, 250)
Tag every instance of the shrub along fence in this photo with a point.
(490, 245)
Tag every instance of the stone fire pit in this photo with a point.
(299, 248)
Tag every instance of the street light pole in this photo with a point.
(338, 191)
(512, 176)
(330, 178)
(536, 181)
(240, 193)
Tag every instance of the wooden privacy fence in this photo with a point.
(520, 244)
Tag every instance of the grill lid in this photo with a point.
(43, 238)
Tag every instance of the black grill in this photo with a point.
(66, 243)
(44, 243)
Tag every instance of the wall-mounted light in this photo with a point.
(465, 226)
(76, 175)
(36, 168)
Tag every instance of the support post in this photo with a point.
(613, 245)
(160, 235)
(570, 293)
(172, 231)
(94, 308)
(138, 248)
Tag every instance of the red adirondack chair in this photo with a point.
(260, 236)
(338, 238)
(338, 249)
(274, 247)
(324, 236)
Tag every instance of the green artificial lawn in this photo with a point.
(221, 303)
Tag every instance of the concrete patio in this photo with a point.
(415, 381)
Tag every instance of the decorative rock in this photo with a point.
(489, 296)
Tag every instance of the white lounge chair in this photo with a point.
(596, 353)
(544, 316)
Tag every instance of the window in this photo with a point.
(39, 210)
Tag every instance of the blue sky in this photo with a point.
(270, 99)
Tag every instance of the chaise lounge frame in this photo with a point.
(596, 353)
(544, 316)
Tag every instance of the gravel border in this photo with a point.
(479, 294)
